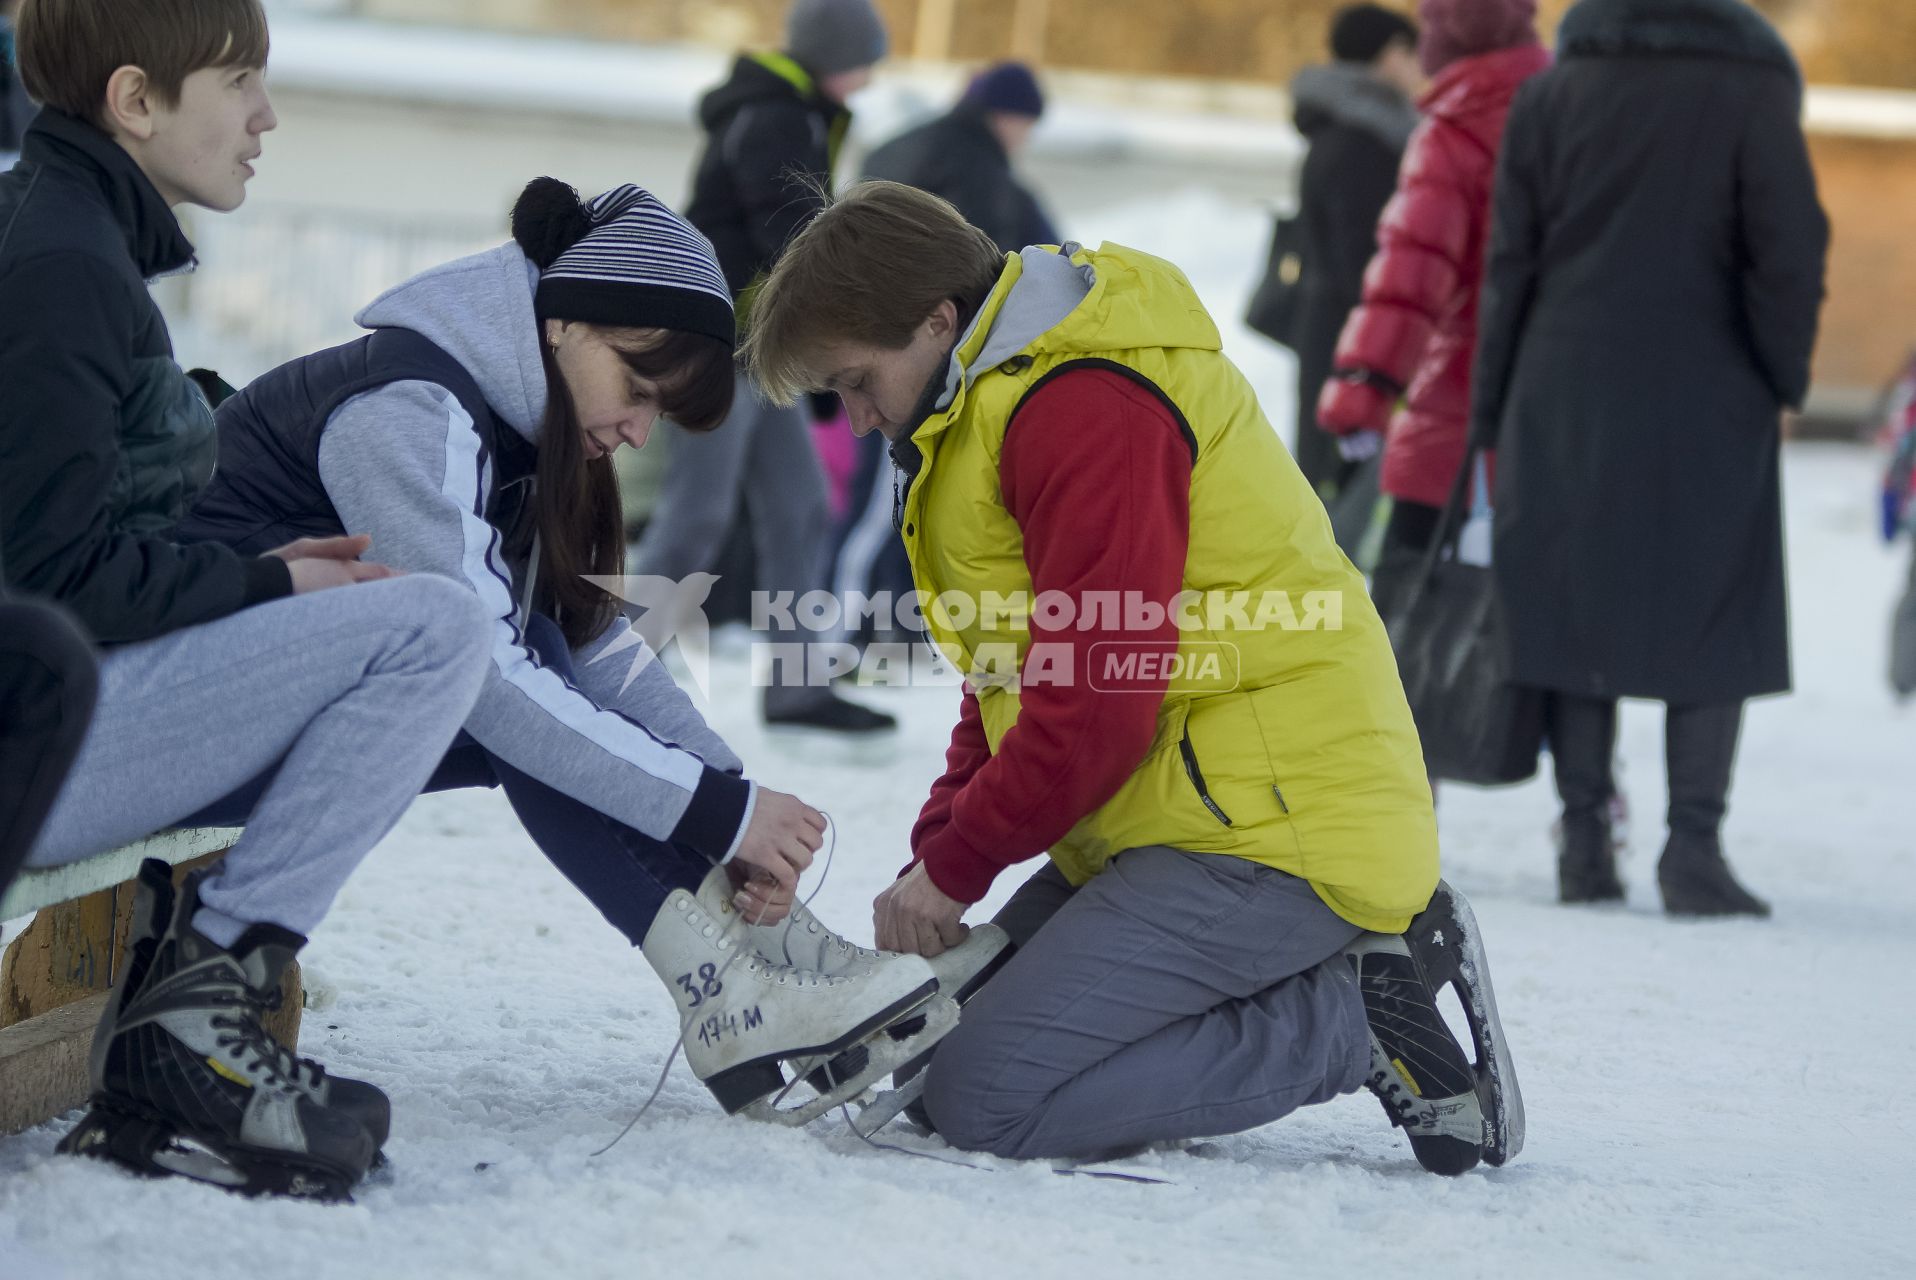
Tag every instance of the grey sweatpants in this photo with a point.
(763, 456)
(355, 693)
(1177, 995)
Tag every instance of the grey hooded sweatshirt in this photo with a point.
(401, 463)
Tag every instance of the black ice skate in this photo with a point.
(185, 1079)
(1453, 1109)
(360, 1099)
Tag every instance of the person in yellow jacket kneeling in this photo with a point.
(1175, 686)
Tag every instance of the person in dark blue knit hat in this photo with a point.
(966, 156)
(471, 433)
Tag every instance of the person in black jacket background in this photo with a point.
(773, 132)
(1357, 113)
(965, 156)
(1650, 309)
(772, 136)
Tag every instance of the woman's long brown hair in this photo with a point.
(576, 510)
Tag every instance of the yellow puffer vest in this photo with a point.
(1299, 753)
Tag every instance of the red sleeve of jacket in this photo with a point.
(966, 755)
(1423, 243)
(1097, 472)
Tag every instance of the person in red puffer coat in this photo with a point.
(1413, 337)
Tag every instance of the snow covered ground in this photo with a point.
(1704, 1099)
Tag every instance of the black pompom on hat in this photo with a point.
(547, 219)
(622, 259)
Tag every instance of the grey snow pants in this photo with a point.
(353, 693)
(1177, 995)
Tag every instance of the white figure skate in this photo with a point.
(744, 1017)
(804, 941)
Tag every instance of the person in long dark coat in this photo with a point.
(1357, 113)
(1653, 289)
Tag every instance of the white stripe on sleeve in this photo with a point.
(465, 484)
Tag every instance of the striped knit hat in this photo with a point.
(622, 259)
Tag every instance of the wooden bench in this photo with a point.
(55, 976)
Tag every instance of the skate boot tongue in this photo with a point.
(968, 966)
(263, 952)
(801, 940)
(714, 896)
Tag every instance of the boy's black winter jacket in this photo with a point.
(102, 440)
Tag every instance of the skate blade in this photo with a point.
(190, 1159)
(887, 1106)
(1109, 1169)
(151, 1149)
(884, 1055)
(994, 944)
(1461, 962)
(743, 1084)
(987, 941)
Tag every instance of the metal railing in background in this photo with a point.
(278, 281)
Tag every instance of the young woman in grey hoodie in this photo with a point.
(471, 434)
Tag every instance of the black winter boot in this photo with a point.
(1583, 739)
(1696, 881)
(185, 1079)
(823, 709)
(1700, 748)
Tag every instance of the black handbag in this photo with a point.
(1275, 305)
(1447, 628)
